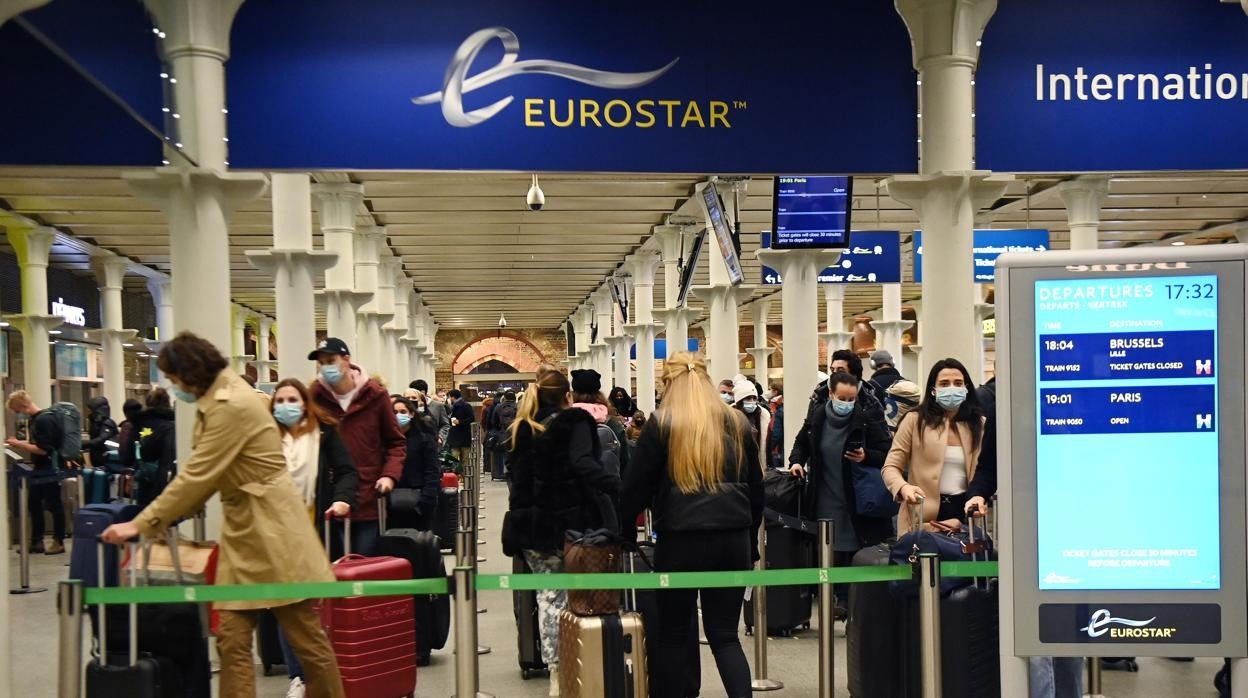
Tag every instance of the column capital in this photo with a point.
(338, 203)
(195, 26)
(761, 353)
(32, 244)
(161, 290)
(733, 294)
(786, 260)
(639, 330)
(316, 261)
(1083, 197)
(886, 325)
(641, 265)
(109, 269)
(122, 334)
(13, 8)
(29, 323)
(945, 29)
(836, 340)
(669, 237)
(914, 190)
(161, 185)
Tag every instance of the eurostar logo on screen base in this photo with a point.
(1197, 624)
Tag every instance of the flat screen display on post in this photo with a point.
(723, 235)
(690, 268)
(1127, 406)
(811, 212)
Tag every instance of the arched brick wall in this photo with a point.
(510, 348)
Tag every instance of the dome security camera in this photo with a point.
(535, 199)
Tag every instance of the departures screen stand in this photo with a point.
(1121, 443)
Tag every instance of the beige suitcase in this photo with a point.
(602, 656)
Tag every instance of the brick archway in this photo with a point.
(509, 347)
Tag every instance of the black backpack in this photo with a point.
(504, 415)
(69, 432)
(610, 449)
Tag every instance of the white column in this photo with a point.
(602, 351)
(642, 265)
(338, 203)
(675, 319)
(238, 342)
(110, 271)
(263, 361)
(1083, 197)
(370, 317)
(418, 342)
(722, 300)
(759, 311)
(294, 265)
(397, 331)
(161, 290)
(944, 36)
(890, 328)
(800, 296)
(836, 337)
(32, 246)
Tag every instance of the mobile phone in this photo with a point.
(855, 441)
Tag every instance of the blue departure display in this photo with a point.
(1127, 433)
(811, 212)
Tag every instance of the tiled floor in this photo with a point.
(793, 660)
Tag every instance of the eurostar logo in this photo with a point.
(456, 83)
(1100, 622)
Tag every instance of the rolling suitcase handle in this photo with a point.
(382, 506)
(916, 527)
(974, 547)
(346, 534)
(102, 659)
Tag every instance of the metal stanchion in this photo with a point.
(23, 508)
(761, 682)
(929, 623)
(69, 660)
(464, 602)
(1094, 678)
(827, 621)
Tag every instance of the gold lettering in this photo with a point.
(554, 118)
(628, 113)
(719, 111)
(693, 113)
(533, 112)
(643, 110)
(670, 104)
(587, 113)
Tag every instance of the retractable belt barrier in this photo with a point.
(113, 596)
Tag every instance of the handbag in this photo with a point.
(951, 546)
(176, 562)
(592, 552)
(871, 498)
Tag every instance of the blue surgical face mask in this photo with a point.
(404, 419)
(182, 395)
(288, 413)
(842, 408)
(331, 373)
(950, 397)
(749, 407)
(726, 397)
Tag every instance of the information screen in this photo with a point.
(723, 236)
(1127, 456)
(811, 212)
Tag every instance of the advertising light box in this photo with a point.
(1121, 444)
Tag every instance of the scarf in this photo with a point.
(303, 455)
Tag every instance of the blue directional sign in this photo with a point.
(872, 257)
(989, 244)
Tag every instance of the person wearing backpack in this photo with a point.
(499, 425)
(45, 491)
(102, 428)
(556, 475)
(151, 448)
(587, 395)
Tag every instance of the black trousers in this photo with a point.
(721, 611)
(45, 496)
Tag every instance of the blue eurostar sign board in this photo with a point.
(989, 244)
(873, 257)
(660, 348)
(1105, 85)
(548, 85)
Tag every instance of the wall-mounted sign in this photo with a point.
(660, 348)
(1057, 90)
(872, 257)
(72, 314)
(988, 245)
(549, 85)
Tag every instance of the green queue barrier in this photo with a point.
(95, 596)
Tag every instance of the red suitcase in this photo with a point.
(373, 637)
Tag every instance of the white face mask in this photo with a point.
(726, 397)
(749, 407)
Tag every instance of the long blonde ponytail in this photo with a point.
(698, 426)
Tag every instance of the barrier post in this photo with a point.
(1094, 678)
(761, 682)
(69, 660)
(23, 509)
(464, 611)
(929, 623)
(827, 646)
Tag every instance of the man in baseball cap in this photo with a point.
(329, 346)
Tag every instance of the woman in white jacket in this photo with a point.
(745, 398)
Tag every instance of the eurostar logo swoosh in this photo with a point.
(456, 83)
(1099, 624)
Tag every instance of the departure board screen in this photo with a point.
(811, 212)
(1127, 451)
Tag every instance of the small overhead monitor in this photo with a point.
(723, 234)
(569, 332)
(619, 293)
(811, 212)
(690, 267)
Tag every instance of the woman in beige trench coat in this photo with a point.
(266, 536)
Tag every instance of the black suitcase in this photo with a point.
(788, 607)
(528, 626)
(433, 612)
(871, 638)
(447, 517)
(267, 642)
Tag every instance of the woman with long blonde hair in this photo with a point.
(696, 467)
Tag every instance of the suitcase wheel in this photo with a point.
(268, 669)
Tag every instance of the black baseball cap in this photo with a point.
(329, 345)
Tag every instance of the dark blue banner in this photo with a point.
(1085, 85)
(646, 86)
(1135, 409)
(660, 348)
(988, 245)
(873, 257)
(1127, 355)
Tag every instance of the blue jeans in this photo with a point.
(293, 667)
(1055, 677)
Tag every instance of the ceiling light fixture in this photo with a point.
(1178, 243)
(54, 332)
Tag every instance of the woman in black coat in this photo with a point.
(414, 501)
